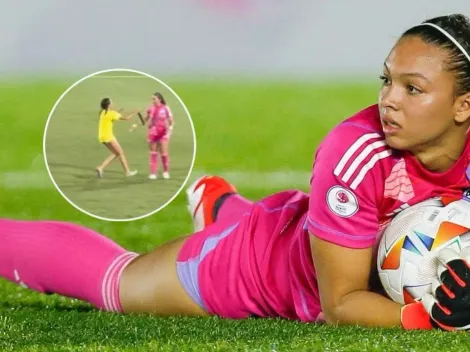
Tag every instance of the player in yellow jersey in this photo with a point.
(106, 137)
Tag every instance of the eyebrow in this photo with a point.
(412, 74)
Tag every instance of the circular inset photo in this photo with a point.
(119, 145)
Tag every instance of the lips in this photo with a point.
(389, 125)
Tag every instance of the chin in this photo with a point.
(397, 143)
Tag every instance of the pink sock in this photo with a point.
(233, 206)
(165, 162)
(153, 162)
(63, 258)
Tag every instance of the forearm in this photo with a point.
(344, 286)
(366, 308)
(128, 117)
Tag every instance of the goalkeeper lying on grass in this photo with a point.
(294, 255)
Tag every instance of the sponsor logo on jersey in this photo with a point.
(398, 184)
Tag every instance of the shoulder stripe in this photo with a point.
(352, 149)
(360, 158)
(368, 166)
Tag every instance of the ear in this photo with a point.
(462, 108)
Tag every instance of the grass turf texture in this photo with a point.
(73, 150)
(258, 127)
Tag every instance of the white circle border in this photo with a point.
(143, 74)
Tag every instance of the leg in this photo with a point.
(108, 160)
(116, 147)
(73, 261)
(212, 198)
(163, 146)
(63, 258)
(151, 284)
(153, 162)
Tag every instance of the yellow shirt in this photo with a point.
(107, 118)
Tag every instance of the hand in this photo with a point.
(415, 317)
(449, 305)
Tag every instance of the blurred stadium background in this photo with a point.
(264, 81)
(207, 38)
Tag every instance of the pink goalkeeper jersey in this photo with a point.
(358, 184)
(159, 116)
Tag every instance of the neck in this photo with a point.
(441, 155)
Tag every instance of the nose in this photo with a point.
(389, 98)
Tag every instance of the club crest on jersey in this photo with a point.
(342, 201)
(342, 197)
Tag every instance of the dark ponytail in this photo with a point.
(160, 97)
(105, 103)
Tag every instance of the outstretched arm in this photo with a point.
(128, 117)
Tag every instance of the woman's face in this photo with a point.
(156, 100)
(417, 99)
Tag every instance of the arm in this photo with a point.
(147, 118)
(143, 121)
(128, 117)
(343, 220)
(343, 276)
(171, 121)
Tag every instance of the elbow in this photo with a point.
(336, 314)
(344, 310)
(331, 317)
(329, 312)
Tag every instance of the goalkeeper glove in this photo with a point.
(449, 305)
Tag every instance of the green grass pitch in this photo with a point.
(247, 127)
(73, 150)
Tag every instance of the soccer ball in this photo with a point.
(407, 253)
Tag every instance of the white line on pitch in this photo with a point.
(242, 179)
(109, 76)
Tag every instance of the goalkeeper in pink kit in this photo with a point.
(294, 255)
(160, 121)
